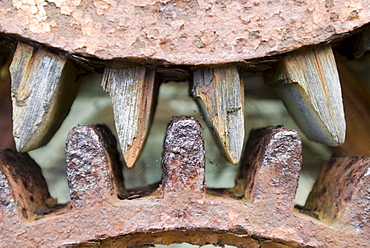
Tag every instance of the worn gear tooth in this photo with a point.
(94, 171)
(23, 190)
(220, 94)
(308, 83)
(341, 193)
(43, 89)
(133, 92)
(270, 168)
(183, 160)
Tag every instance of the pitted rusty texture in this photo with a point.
(183, 159)
(181, 32)
(342, 192)
(23, 189)
(183, 212)
(94, 172)
(270, 168)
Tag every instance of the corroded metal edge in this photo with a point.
(226, 218)
(188, 32)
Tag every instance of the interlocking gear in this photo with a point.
(258, 212)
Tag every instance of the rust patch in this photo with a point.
(341, 192)
(270, 168)
(23, 188)
(94, 171)
(184, 212)
(183, 159)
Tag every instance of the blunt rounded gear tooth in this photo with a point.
(94, 171)
(270, 168)
(220, 96)
(341, 193)
(23, 190)
(182, 210)
(183, 160)
(44, 86)
(258, 211)
(133, 92)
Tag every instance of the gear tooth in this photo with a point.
(183, 160)
(341, 193)
(308, 84)
(220, 96)
(44, 86)
(23, 190)
(94, 171)
(270, 168)
(133, 91)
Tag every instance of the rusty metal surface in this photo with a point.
(181, 32)
(183, 148)
(88, 149)
(342, 194)
(23, 190)
(270, 168)
(213, 216)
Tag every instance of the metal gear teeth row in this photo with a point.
(258, 212)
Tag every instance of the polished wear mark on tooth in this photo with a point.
(43, 89)
(308, 83)
(133, 93)
(221, 99)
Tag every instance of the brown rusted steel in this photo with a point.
(23, 191)
(183, 160)
(180, 210)
(270, 169)
(341, 194)
(88, 149)
(181, 32)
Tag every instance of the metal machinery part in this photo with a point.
(186, 32)
(259, 211)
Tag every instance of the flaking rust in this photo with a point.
(269, 171)
(261, 216)
(341, 193)
(94, 171)
(23, 190)
(183, 159)
(181, 32)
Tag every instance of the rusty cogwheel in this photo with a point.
(313, 54)
(258, 212)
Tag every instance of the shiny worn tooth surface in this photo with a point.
(269, 170)
(94, 171)
(133, 92)
(220, 95)
(23, 189)
(308, 83)
(341, 193)
(43, 89)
